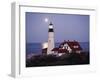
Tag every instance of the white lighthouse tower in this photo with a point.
(50, 39)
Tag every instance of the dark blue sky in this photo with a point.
(66, 27)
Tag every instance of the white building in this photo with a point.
(51, 43)
(67, 47)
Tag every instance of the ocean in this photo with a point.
(36, 48)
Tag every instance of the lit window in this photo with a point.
(75, 46)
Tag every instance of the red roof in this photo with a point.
(55, 49)
(72, 45)
(60, 50)
(44, 49)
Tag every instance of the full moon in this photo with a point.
(46, 19)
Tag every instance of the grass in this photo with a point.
(52, 60)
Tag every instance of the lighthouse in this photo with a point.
(50, 39)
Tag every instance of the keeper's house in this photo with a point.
(66, 47)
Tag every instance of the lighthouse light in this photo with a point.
(50, 26)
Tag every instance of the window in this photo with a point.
(75, 46)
